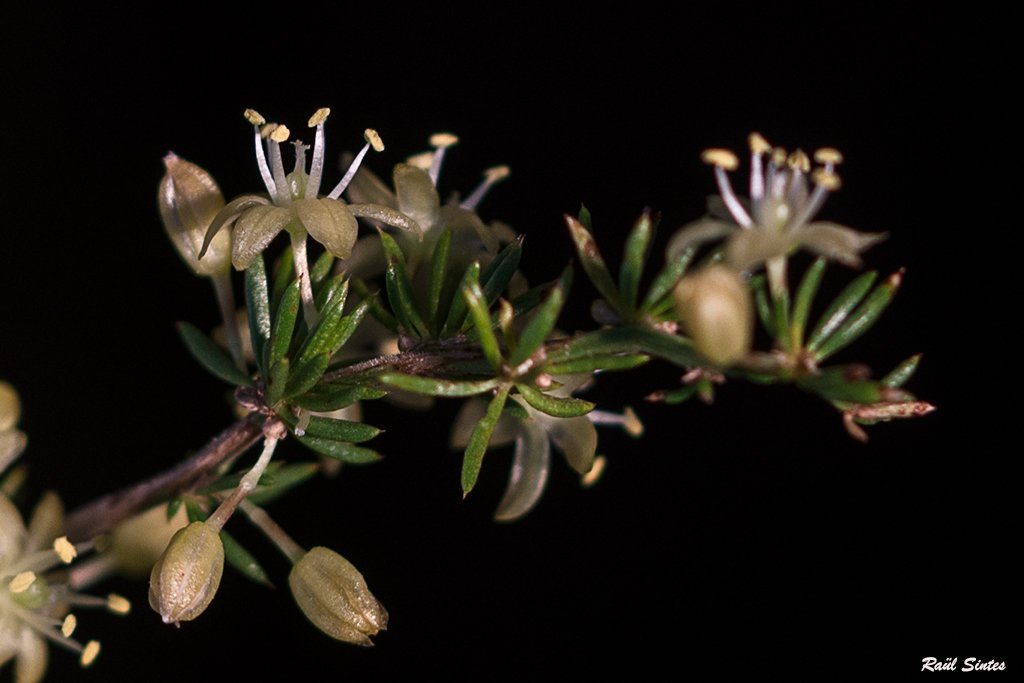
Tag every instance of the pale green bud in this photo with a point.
(333, 595)
(717, 313)
(189, 199)
(185, 578)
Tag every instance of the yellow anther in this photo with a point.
(318, 117)
(253, 117)
(443, 140)
(496, 173)
(371, 136)
(21, 582)
(68, 627)
(830, 181)
(778, 157)
(280, 134)
(118, 604)
(266, 129)
(827, 155)
(65, 550)
(758, 145)
(798, 161)
(92, 648)
(631, 423)
(421, 160)
(720, 157)
(596, 470)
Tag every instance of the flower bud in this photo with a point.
(716, 311)
(189, 199)
(185, 578)
(333, 595)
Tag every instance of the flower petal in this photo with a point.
(417, 196)
(576, 437)
(748, 248)
(255, 229)
(837, 241)
(382, 214)
(694, 234)
(529, 473)
(330, 223)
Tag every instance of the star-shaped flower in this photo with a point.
(777, 220)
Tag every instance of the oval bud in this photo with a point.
(717, 313)
(333, 595)
(189, 199)
(185, 578)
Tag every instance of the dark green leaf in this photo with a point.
(496, 276)
(804, 297)
(334, 430)
(538, 329)
(277, 381)
(584, 218)
(436, 387)
(438, 267)
(284, 325)
(173, 506)
(862, 318)
(377, 311)
(902, 372)
(764, 309)
(283, 278)
(629, 340)
(211, 356)
(593, 265)
(286, 478)
(193, 512)
(553, 405)
(667, 279)
(306, 375)
(594, 363)
(780, 307)
(478, 310)
(515, 409)
(678, 395)
(634, 256)
(457, 313)
(839, 309)
(324, 398)
(320, 270)
(339, 450)
(474, 456)
(242, 560)
(399, 286)
(230, 482)
(257, 303)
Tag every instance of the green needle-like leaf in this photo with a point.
(474, 456)
(457, 313)
(538, 329)
(482, 320)
(285, 479)
(339, 450)
(780, 308)
(438, 266)
(257, 303)
(902, 372)
(764, 309)
(553, 405)
(594, 363)
(495, 277)
(242, 560)
(629, 340)
(861, 319)
(666, 280)
(284, 325)
(437, 387)
(334, 430)
(306, 375)
(399, 286)
(804, 297)
(320, 270)
(634, 256)
(593, 264)
(277, 381)
(211, 356)
(377, 311)
(324, 397)
(836, 313)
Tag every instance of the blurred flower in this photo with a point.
(777, 219)
(186, 576)
(333, 595)
(33, 607)
(715, 307)
(575, 437)
(12, 440)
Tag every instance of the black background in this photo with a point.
(746, 537)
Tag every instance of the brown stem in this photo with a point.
(105, 513)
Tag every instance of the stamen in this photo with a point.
(441, 141)
(591, 477)
(21, 582)
(799, 165)
(824, 182)
(261, 159)
(92, 649)
(798, 161)
(68, 627)
(316, 170)
(278, 135)
(422, 160)
(758, 147)
(118, 604)
(827, 179)
(722, 160)
(372, 140)
(492, 175)
(829, 157)
(65, 550)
